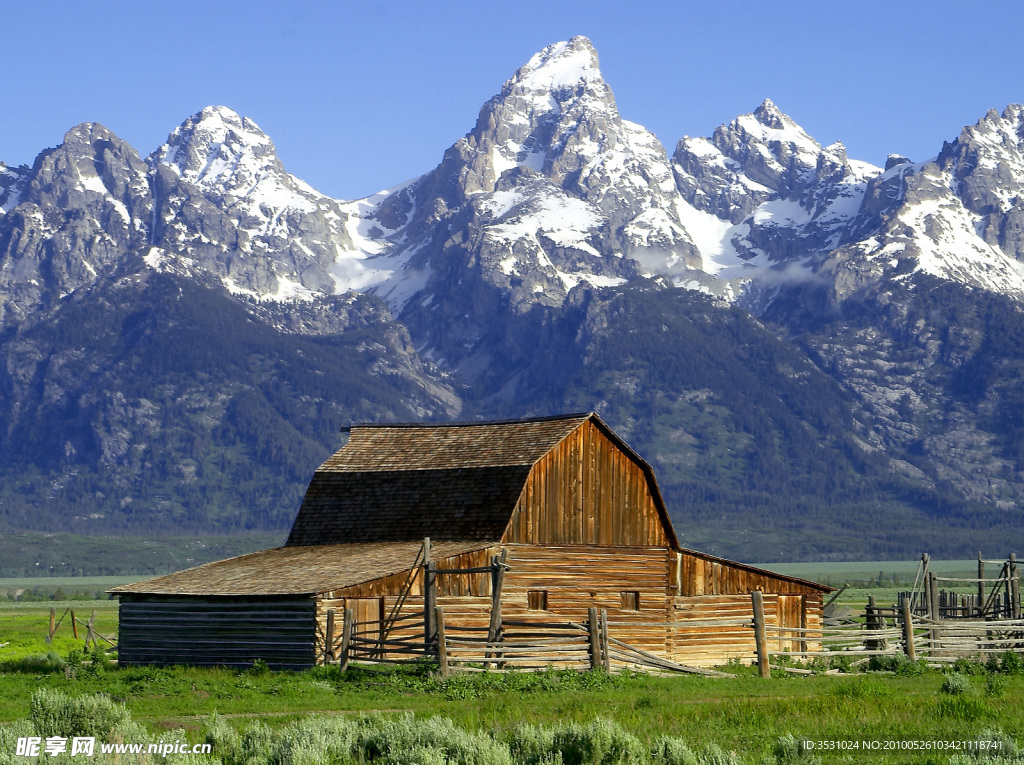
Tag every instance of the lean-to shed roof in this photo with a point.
(296, 570)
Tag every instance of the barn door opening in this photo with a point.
(368, 615)
(792, 615)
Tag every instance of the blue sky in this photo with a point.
(361, 96)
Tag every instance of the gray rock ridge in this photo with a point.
(956, 216)
(226, 204)
(801, 213)
(12, 183)
(987, 163)
(72, 218)
(788, 198)
(753, 159)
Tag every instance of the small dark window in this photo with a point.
(630, 601)
(537, 600)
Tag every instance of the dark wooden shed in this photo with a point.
(577, 514)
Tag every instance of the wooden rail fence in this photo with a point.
(925, 623)
(937, 641)
(91, 634)
(996, 597)
(522, 645)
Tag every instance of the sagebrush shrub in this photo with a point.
(56, 714)
(956, 684)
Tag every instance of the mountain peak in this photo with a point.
(559, 66)
(769, 115)
(215, 144)
(223, 118)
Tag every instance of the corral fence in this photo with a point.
(923, 624)
(995, 597)
(885, 632)
(521, 645)
(591, 644)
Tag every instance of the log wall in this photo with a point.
(722, 630)
(577, 577)
(207, 631)
(696, 574)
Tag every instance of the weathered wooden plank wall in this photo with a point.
(210, 631)
(587, 491)
(697, 574)
(707, 644)
(577, 577)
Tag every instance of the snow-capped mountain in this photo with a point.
(556, 258)
(226, 206)
(787, 198)
(551, 189)
(78, 213)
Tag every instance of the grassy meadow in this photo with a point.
(744, 718)
(547, 717)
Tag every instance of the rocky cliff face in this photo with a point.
(225, 207)
(182, 331)
(77, 214)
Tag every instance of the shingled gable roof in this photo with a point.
(443, 481)
(409, 481)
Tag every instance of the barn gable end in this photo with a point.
(590, 489)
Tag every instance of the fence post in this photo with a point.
(908, 631)
(594, 633)
(925, 592)
(760, 640)
(497, 581)
(74, 624)
(429, 597)
(606, 659)
(871, 622)
(430, 604)
(53, 624)
(981, 584)
(933, 614)
(88, 634)
(329, 641)
(442, 643)
(1014, 587)
(346, 637)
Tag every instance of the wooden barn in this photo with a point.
(535, 520)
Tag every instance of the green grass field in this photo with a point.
(742, 714)
(747, 719)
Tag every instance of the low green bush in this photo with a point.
(956, 684)
(898, 664)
